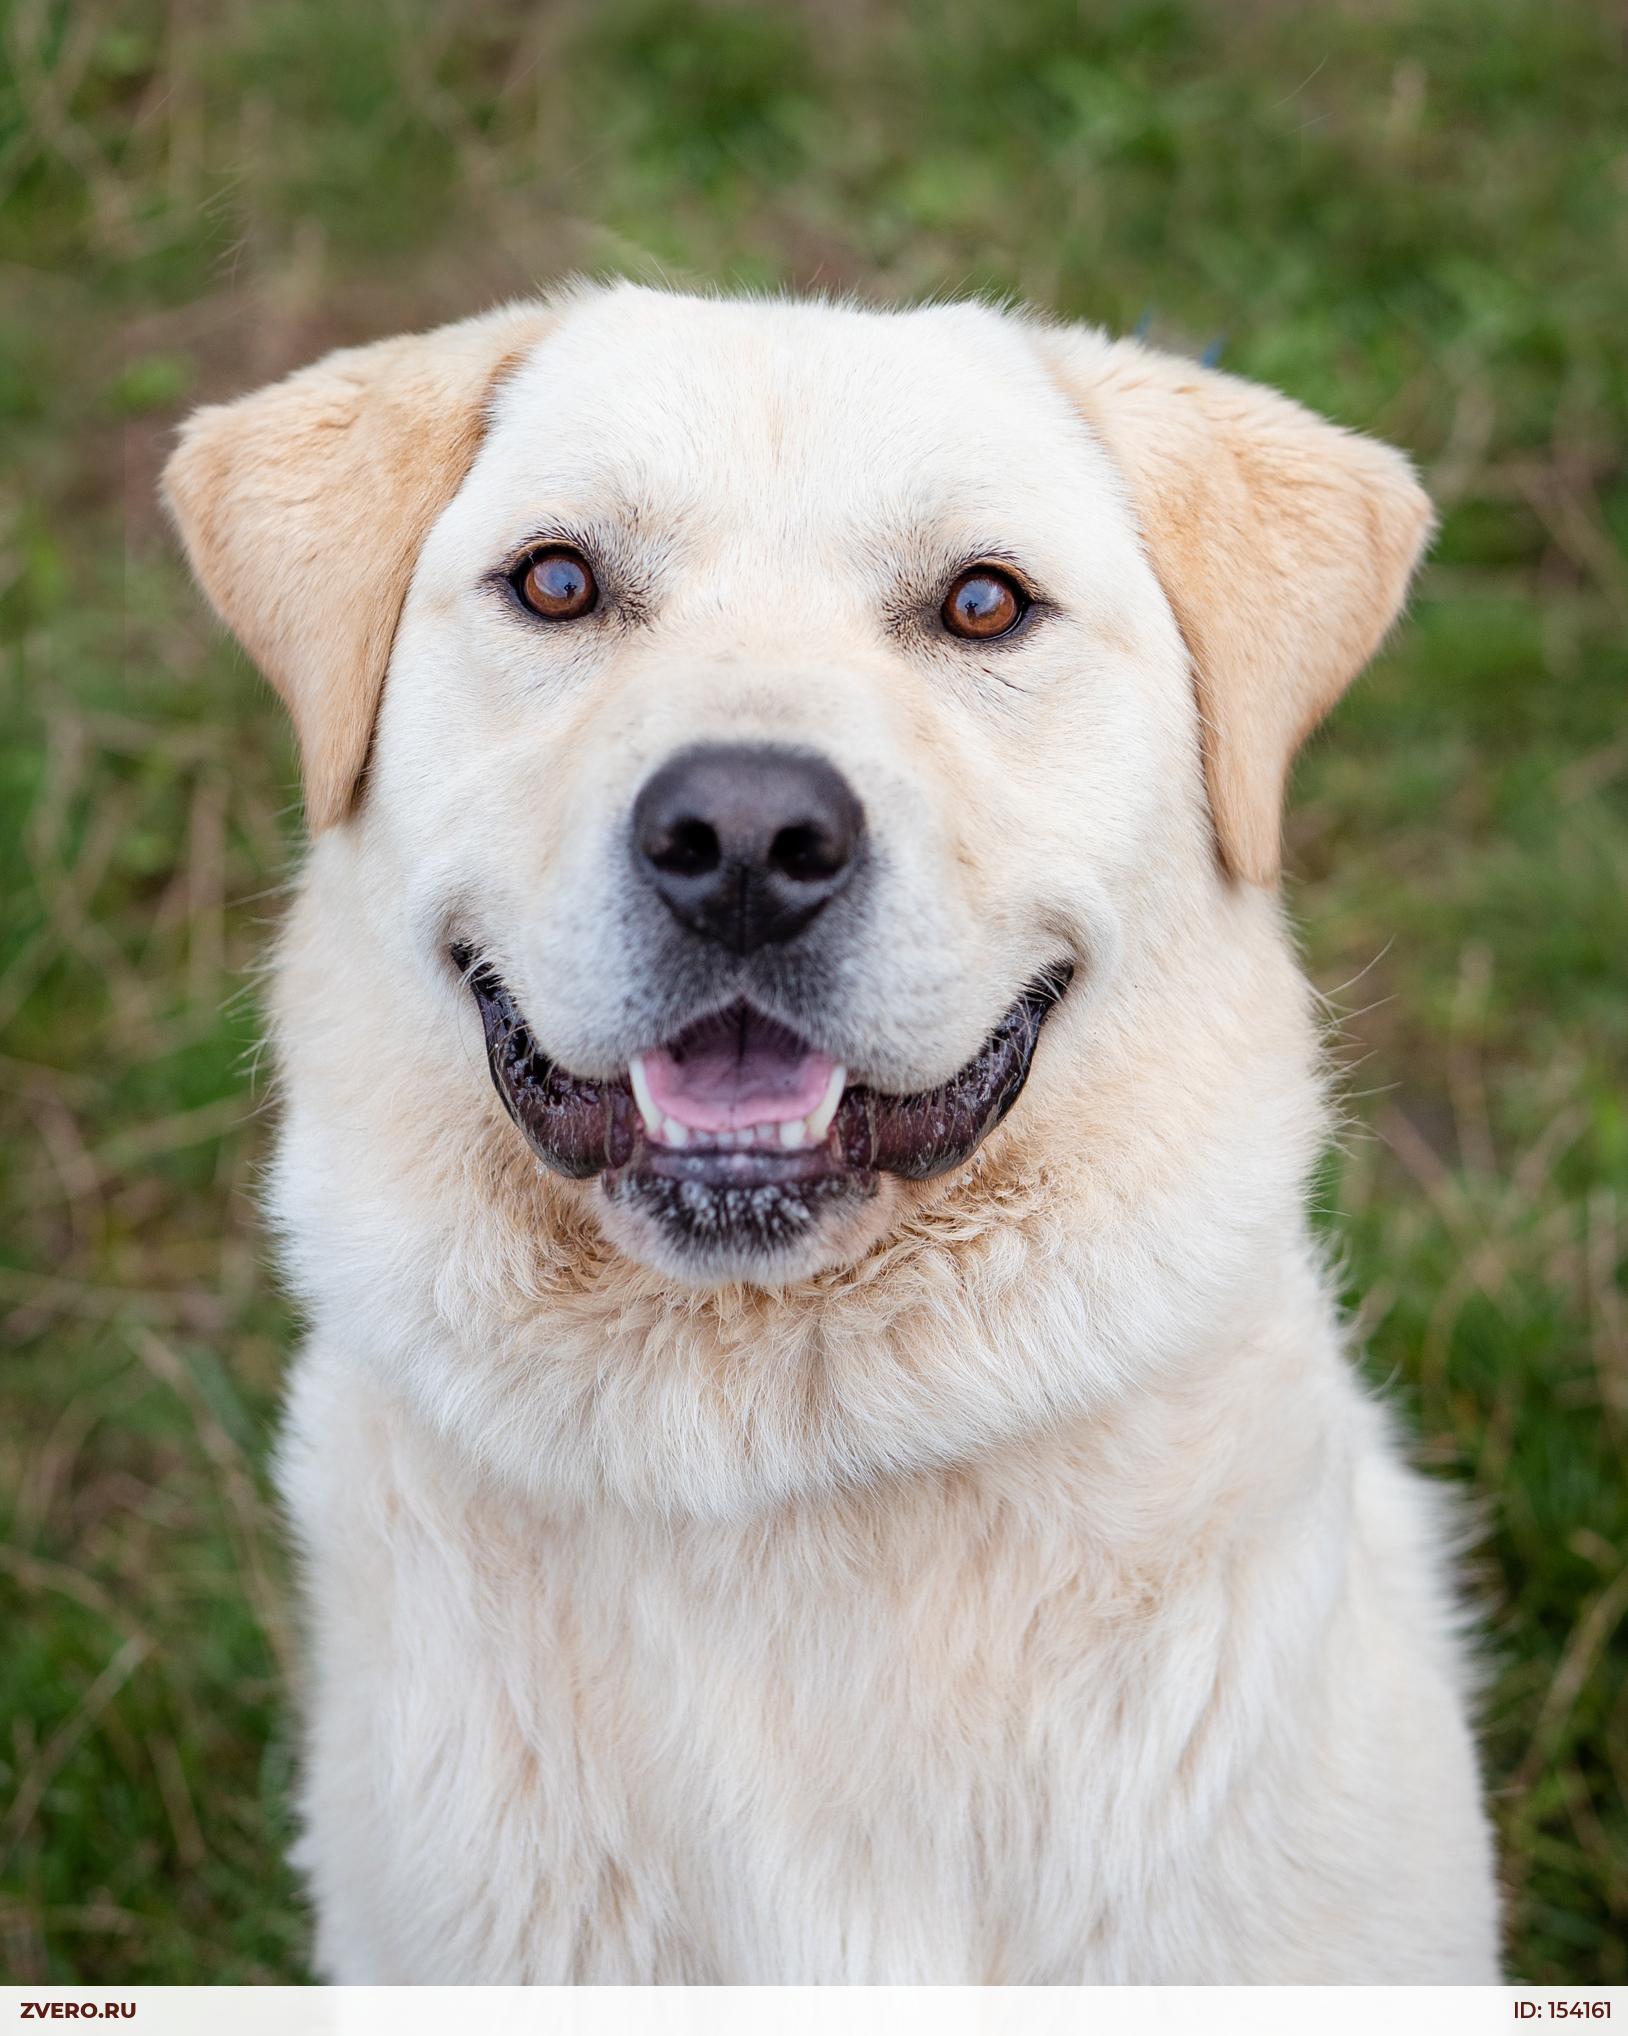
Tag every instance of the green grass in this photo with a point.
(1412, 217)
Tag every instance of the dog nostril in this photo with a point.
(806, 853)
(690, 849)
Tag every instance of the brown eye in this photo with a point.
(558, 585)
(983, 603)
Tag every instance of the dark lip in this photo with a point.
(582, 1127)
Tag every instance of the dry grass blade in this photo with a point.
(25, 1804)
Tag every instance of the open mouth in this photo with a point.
(736, 1129)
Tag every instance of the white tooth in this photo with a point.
(642, 1095)
(795, 1134)
(674, 1133)
(819, 1118)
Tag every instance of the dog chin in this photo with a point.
(759, 1234)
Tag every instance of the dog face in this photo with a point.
(774, 717)
(776, 778)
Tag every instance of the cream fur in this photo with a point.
(1018, 1587)
(1285, 549)
(304, 508)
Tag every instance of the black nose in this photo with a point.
(745, 845)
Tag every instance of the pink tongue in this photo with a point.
(734, 1070)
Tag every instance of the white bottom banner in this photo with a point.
(813, 2011)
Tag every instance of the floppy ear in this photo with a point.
(303, 509)
(1284, 545)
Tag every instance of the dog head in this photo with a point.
(782, 728)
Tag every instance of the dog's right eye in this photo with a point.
(557, 584)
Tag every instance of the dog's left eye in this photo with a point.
(557, 584)
(984, 603)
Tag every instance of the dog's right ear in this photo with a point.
(303, 509)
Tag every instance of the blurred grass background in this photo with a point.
(1409, 216)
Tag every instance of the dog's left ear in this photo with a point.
(303, 509)
(1284, 545)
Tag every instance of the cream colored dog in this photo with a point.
(779, 1505)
